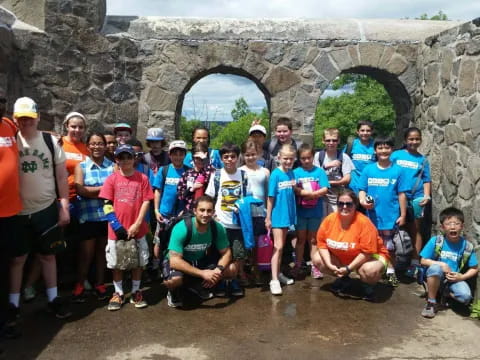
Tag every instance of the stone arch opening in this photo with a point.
(218, 70)
(401, 101)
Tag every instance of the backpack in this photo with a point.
(462, 262)
(216, 182)
(403, 247)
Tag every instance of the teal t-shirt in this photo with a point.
(200, 242)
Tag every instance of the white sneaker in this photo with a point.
(285, 280)
(275, 287)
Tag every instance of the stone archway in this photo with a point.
(217, 70)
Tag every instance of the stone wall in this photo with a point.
(448, 112)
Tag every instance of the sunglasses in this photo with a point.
(331, 140)
(342, 204)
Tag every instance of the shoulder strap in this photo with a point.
(438, 246)
(49, 141)
(244, 182)
(349, 147)
(213, 229)
(272, 144)
(189, 225)
(419, 176)
(466, 255)
(321, 157)
(164, 175)
(216, 181)
(340, 156)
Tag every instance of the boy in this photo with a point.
(227, 186)
(283, 135)
(156, 157)
(450, 259)
(123, 133)
(336, 164)
(384, 182)
(167, 205)
(129, 192)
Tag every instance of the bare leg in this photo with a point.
(279, 237)
(16, 273)
(100, 261)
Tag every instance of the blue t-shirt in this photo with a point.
(411, 165)
(214, 155)
(361, 155)
(280, 187)
(317, 175)
(169, 203)
(450, 253)
(383, 185)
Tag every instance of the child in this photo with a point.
(227, 186)
(193, 182)
(123, 133)
(417, 171)
(450, 258)
(156, 157)
(167, 205)
(337, 165)
(361, 151)
(384, 182)
(257, 184)
(202, 134)
(312, 184)
(281, 212)
(130, 193)
(111, 145)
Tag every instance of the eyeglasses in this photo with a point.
(331, 140)
(229, 157)
(96, 144)
(348, 204)
(453, 223)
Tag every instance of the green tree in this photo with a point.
(440, 16)
(368, 101)
(241, 109)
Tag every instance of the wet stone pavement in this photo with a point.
(307, 322)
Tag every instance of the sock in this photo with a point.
(14, 299)
(52, 293)
(118, 287)
(433, 301)
(390, 270)
(135, 286)
(415, 262)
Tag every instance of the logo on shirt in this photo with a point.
(362, 157)
(73, 156)
(286, 184)
(230, 191)
(339, 245)
(7, 141)
(408, 164)
(448, 255)
(379, 182)
(32, 160)
(172, 181)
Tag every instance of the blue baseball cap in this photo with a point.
(125, 148)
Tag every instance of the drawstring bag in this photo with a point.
(127, 254)
(264, 252)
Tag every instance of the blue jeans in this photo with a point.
(460, 290)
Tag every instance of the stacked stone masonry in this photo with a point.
(138, 70)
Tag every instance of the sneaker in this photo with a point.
(316, 273)
(235, 289)
(29, 293)
(275, 287)
(392, 280)
(429, 310)
(200, 291)
(59, 307)
(115, 302)
(221, 289)
(368, 293)
(138, 300)
(285, 280)
(173, 298)
(298, 273)
(340, 285)
(78, 293)
(101, 292)
(13, 314)
(87, 285)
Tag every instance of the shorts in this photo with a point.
(39, 233)
(169, 273)
(382, 259)
(237, 245)
(309, 224)
(92, 230)
(9, 235)
(111, 254)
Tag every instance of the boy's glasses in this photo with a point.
(342, 204)
(453, 223)
(331, 140)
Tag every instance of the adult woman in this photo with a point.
(89, 178)
(348, 241)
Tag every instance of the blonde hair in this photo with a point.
(331, 132)
(287, 149)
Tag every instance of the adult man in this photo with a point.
(42, 169)
(10, 205)
(198, 254)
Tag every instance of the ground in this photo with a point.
(307, 322)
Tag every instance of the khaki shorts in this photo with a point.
(111, 253)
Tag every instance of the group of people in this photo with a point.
(199, 214)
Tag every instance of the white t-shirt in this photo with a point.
(230, 190)
(37, 183)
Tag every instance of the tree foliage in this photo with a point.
(187, 126)
(440, 16)
(368, 101)
(241, 109)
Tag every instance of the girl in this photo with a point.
(281, 212)
(416, 170)
(257, 186)
(193, 182)
(89, 178)
(312, 184)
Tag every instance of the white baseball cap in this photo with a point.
(257, 128)
(177, 144)
(25, 107)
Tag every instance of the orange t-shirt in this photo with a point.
(75, 154)
(360, 237)
(10, 201)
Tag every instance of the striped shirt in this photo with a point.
(93, 175)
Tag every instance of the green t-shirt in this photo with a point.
(195, 250)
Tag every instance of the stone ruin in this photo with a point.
(68, 55)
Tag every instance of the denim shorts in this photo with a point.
(460, 290)
(309, 224)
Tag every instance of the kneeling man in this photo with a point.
(199, 256)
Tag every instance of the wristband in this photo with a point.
(221, 268)
(348, 270)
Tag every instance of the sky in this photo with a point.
(213, 96)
